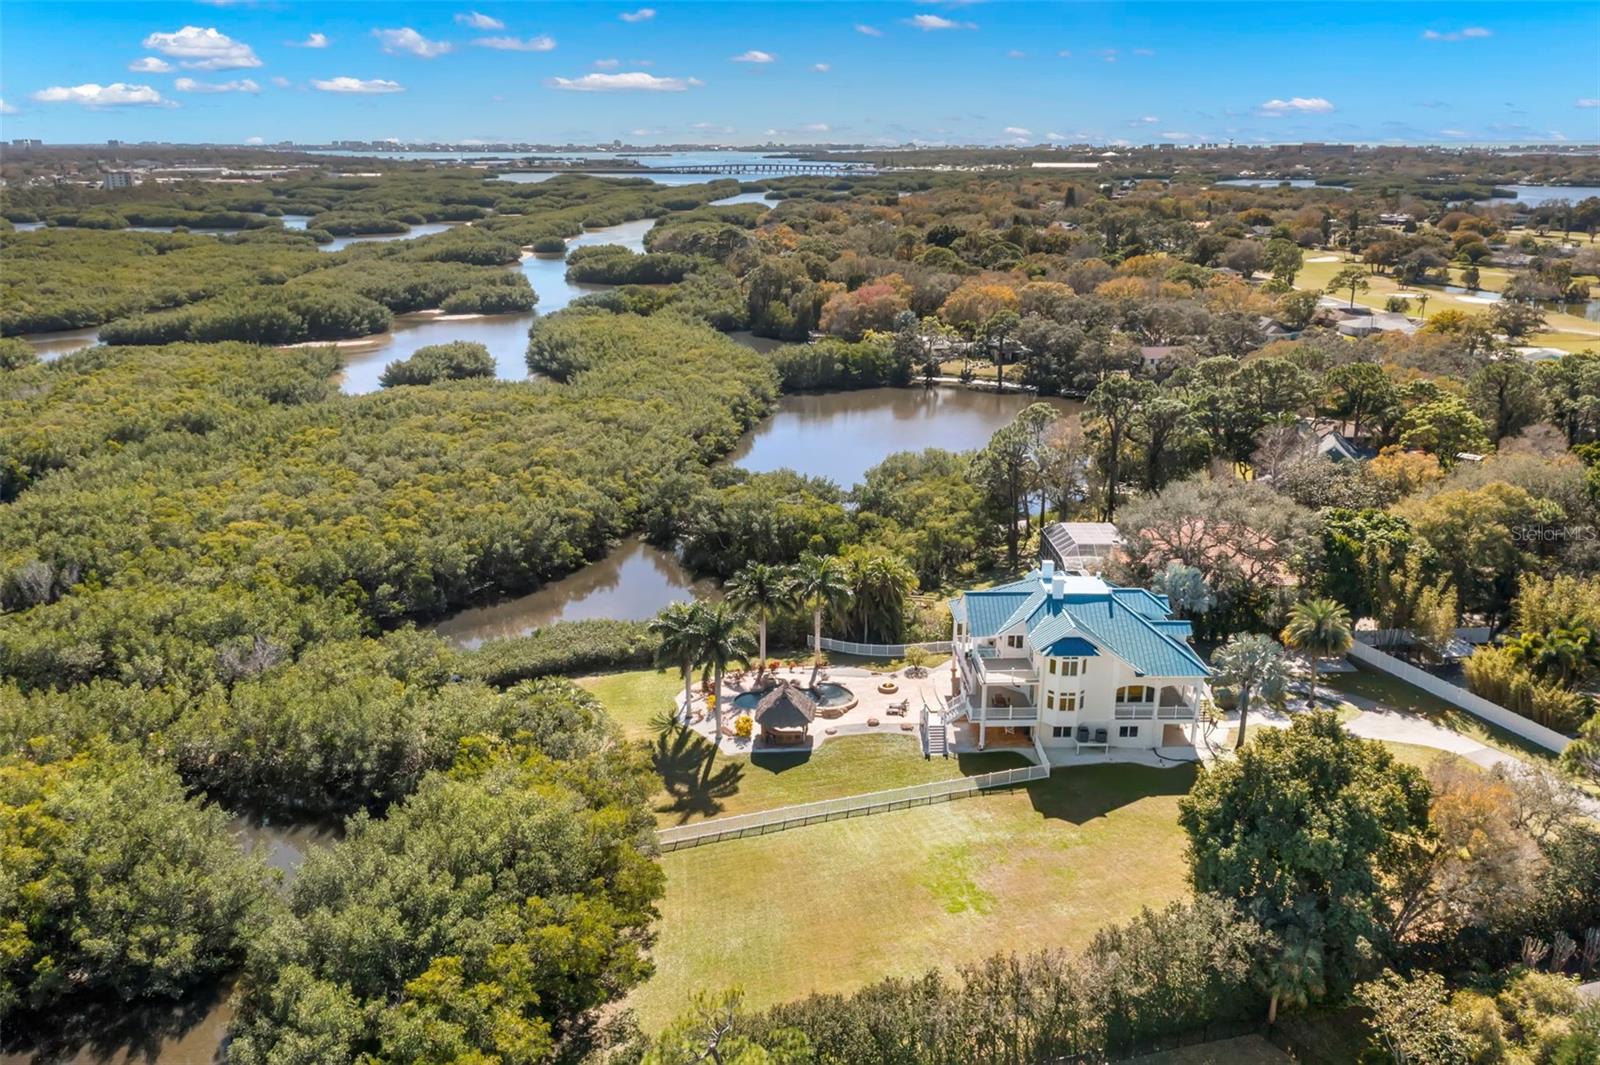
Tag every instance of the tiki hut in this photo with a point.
(785, 713)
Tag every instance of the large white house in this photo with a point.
(1074, 663)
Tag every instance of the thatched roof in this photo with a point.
(785, 706)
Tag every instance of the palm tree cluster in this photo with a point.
(866, 593)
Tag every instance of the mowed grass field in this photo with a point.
(698, 783)
(834, 906)
(1569, 332)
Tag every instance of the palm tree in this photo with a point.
(722, 643)
(1295, 976)
(1250, 665)
(679, 627)
(761, 589)
(1320, 628)
(879, 583)
(819, 582)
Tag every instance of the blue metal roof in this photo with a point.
(1072, 647)
(1130, 623)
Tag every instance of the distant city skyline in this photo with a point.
(241, 72)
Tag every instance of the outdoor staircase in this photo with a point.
(936, 740)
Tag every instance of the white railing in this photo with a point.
(992, 714)
(1175, 713)
(786, 817)
(1133, 713)
(875, 650)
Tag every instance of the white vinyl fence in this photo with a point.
(1475, 705)
(876, 802)
(878, 650)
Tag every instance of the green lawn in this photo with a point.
(635, 698)
(697, 783)
(833, 906)
(1570, 332)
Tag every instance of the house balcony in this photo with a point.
(1148, 712)
(1005, 714)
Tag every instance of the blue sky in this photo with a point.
(746, 72)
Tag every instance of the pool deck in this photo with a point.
(871, 704)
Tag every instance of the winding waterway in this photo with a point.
(837, 435)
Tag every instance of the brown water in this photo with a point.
(632, 583)
(841, 435)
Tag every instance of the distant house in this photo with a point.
(1075, 545)
(1333, 445)
(1153, 355)
(1362, 321)
(1273, 329)
(1073, 662)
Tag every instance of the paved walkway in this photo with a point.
(1378, 722)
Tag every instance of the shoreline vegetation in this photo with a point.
(213, 564)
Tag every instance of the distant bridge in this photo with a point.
(839, 169)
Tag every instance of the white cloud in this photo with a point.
(644, 14)
(479, 21)
(1308, 105)
(313, 40)
(1177, 136)
(255, 140)
(1557, 135)
(1144, 53)
(150, 65)
(1457, 133)
(1149, 120)
(938, 22)
(407, 40)
(711, 127)
(203, 49)
(629, 81)
(821, 68)
(1586, 101)
(607, 64)
(90, 95)
(241, 85)
(816, 127)
(1017, 131)
(7, 109)
(645, 132)
(357, 85)
(1467, 34)
(870, 31)
(542, 43)
(1016, 53)
(281, 82)
(1064, 54)
(754, 56)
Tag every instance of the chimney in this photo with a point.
(1048, 568)
(1058, 586)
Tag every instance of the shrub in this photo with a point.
(833, 363)
(454, 361)
(566, 647)
(743, 725)
(1493, 674)
(117, 883)
(550, 246)
(15, 353)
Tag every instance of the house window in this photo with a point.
(1069, 702)
(1128, 732)
(961, 630)
(1061, 732)
(1014, 642)
(1049, 700)
(1136, 693)
(1070, 667)
(1052, 665)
